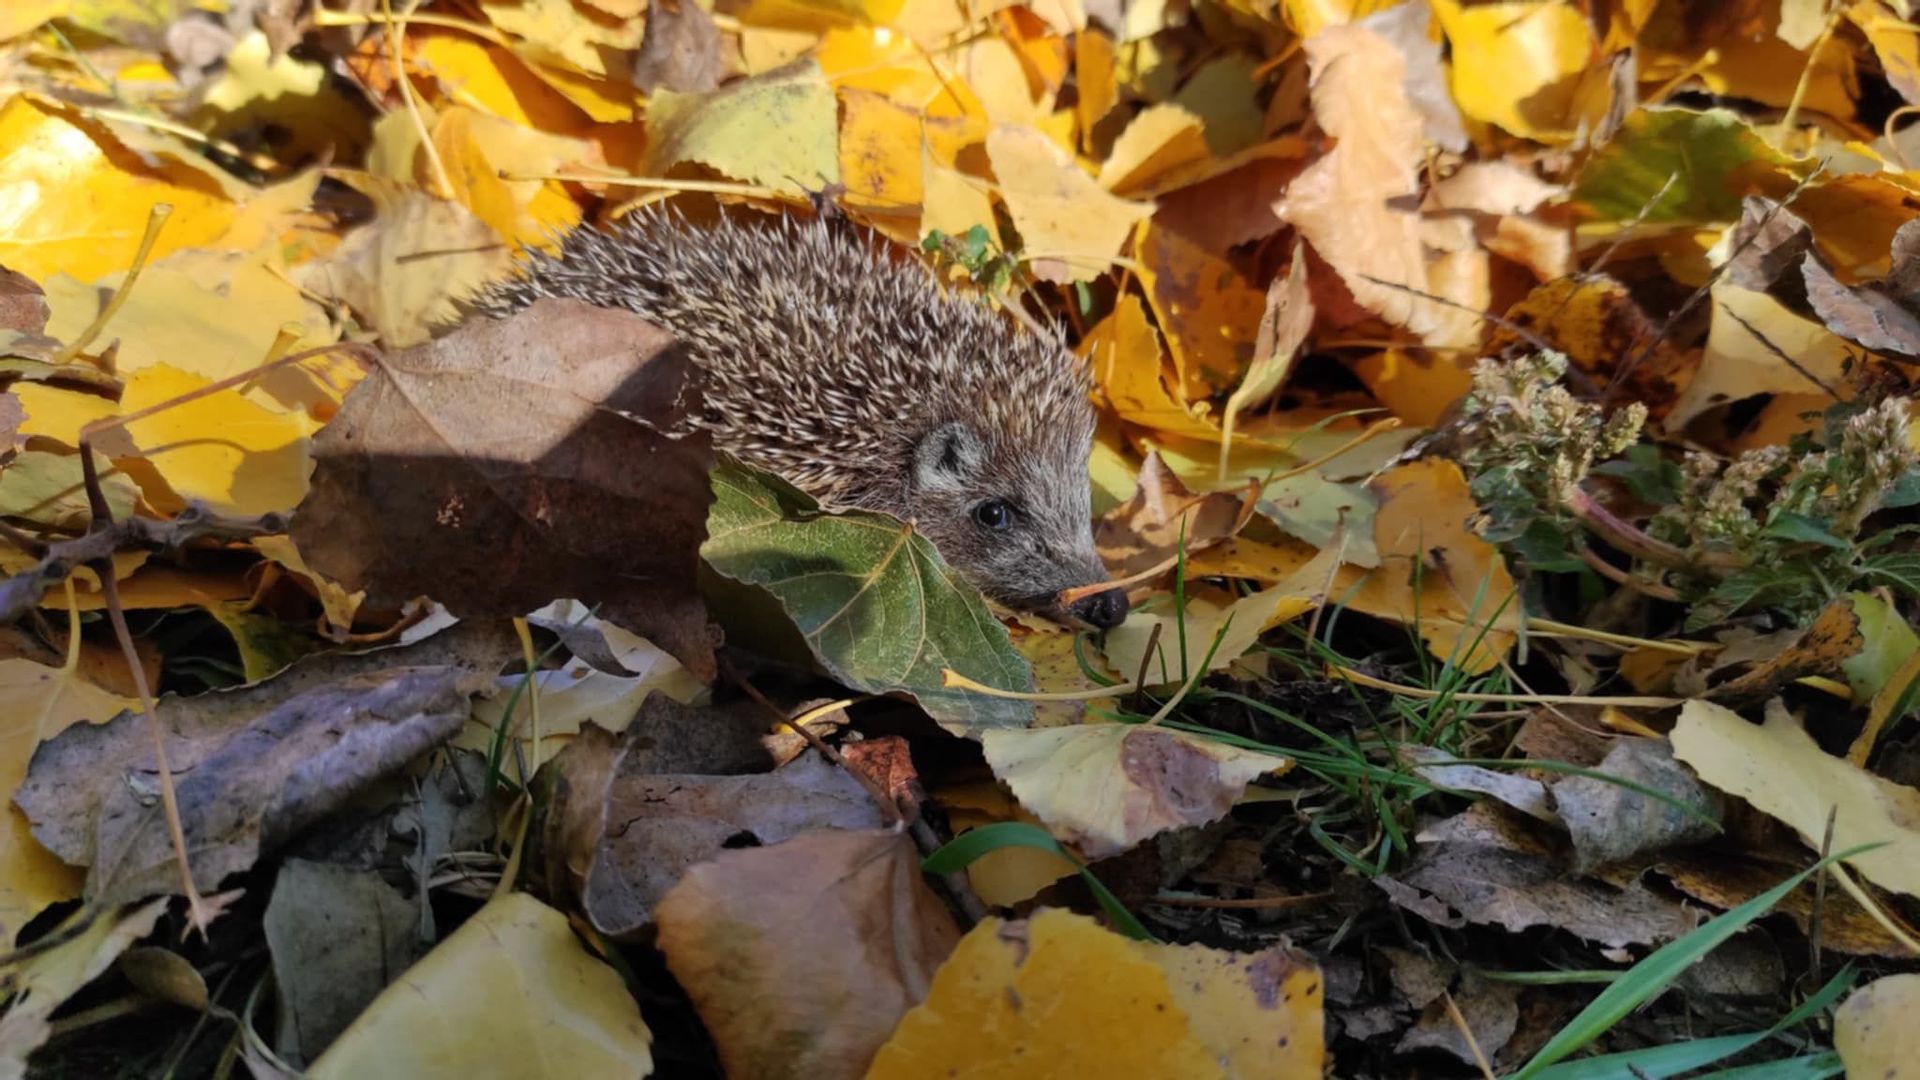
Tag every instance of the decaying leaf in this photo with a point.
(1162, 517)
(1874, 1031)
(1107, 787)
(1609, 822)
(246, 777)
(338, 936)
(424, 484)
(802, 956)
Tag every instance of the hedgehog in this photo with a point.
(862, 380)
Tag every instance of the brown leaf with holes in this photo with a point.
(425, 484)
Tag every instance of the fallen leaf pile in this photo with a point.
(1503, 444)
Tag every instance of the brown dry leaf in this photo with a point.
(1727, 879)
(1778, 768)
(1349, 204)
(251, 768)
(802, 956)
(1597, 324)
(1491, 1011)
(425, 485)
(1070, 229)
(1489, 866)
(1107, 787)
(654, 826)
(1056, 995)
(549, 1007)
(1820, 648)
(1610, 823)
(679, 51)
(1162, 518)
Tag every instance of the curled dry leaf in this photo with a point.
(1489, 867)
(803, 956)
(424, 484)
(652, 826)
(1016, 998)
(245, 780)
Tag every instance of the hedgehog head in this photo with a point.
(1005, 515)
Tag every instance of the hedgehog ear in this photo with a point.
(948, 458)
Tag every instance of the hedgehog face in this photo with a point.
(1015, 520)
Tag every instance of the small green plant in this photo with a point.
(974, 252)
(1783, 528)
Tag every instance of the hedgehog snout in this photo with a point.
(1102, 610)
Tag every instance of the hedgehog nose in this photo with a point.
(1102, 610)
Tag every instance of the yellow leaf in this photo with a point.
(338, 603)
(21, 17)
(1004, 876)
(69, 204)
(1353, 204)
(819, 16)
(1106, 787)
(1519, 64)
(1069, 227)
(1309, 17)
(255, 89)
(1124, 352)
(1234, 627)
(1874, 1030)
(57, 413)
(1778, 768)
(1207, 307)
(1056, 995)
(480, 153)
(212, 313)
(1161, 138)
(545, 1007)
(778, 130)
(403, 271)
(1416, 386)
(562, 32)
(494, 81)
(1420, 530)
(223, 450)
(45, 980)
(1750, 334)
(881, 145)
(992, 70)
(37, 703)
(48, 488)
(1894, 42)
(883, 62)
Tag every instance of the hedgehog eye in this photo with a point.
(994, 514)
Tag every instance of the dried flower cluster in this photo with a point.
(1777, 527)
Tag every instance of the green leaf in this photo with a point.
(961, 852)
(1699, 164)
(1809, 1067)
(1886, 643)
(872, 598)
(1788, 525)
(1672, 1059)
(1905, 490)
(1647, 473)
(1900, 570)
(1651, 976)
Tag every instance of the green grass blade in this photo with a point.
(1658, 1062)
(1810, 1067)
(960, 852)
(1649, 977)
